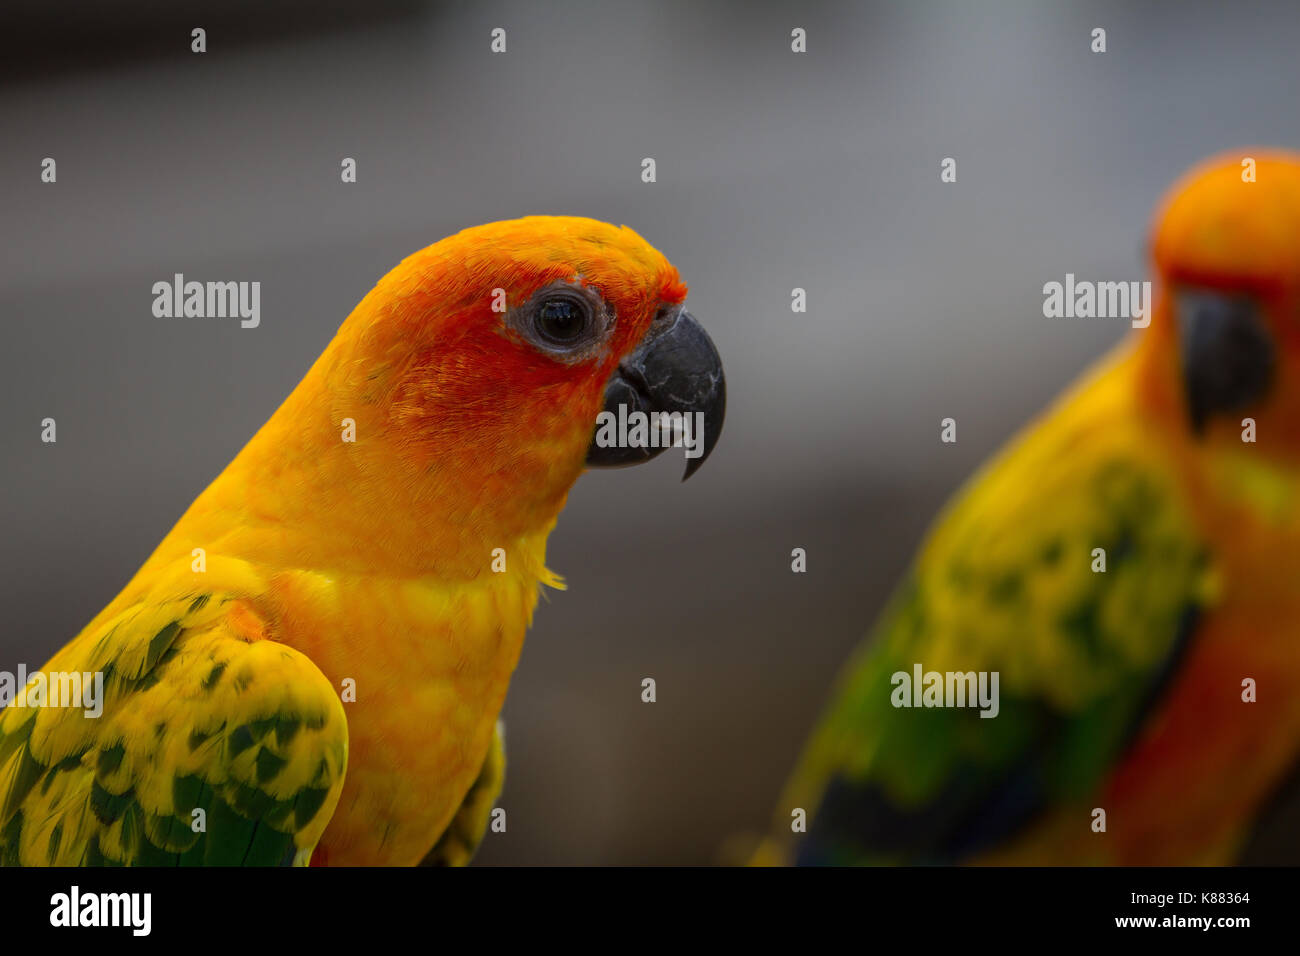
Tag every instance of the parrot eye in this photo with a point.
(564, 319)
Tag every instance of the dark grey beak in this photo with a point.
(676, 370)
(1228, 355)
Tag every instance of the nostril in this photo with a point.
(665, 318)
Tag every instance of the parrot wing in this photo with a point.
(1006, 583)
(215, 746)
(459, 842)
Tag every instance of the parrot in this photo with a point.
(309, 669)
(1125, 569)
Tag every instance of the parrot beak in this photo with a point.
(1227, 354)
(676, 369)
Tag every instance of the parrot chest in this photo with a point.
(1226, 733)
(1227, 730)
(423, 672)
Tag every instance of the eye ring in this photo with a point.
(562, 319)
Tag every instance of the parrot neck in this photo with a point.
(320, 487)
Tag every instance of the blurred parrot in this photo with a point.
(1159, 685)
(310, 667)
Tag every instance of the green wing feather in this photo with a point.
(212, 749)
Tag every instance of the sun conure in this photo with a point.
(1127, 567)
(310, 666)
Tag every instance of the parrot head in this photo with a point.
(478, 367)
(1226, 247)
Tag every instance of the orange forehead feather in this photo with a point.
(1220, 225)
(440, 287)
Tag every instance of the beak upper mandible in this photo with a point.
(1227, 354)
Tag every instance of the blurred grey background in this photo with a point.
(775, 170)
